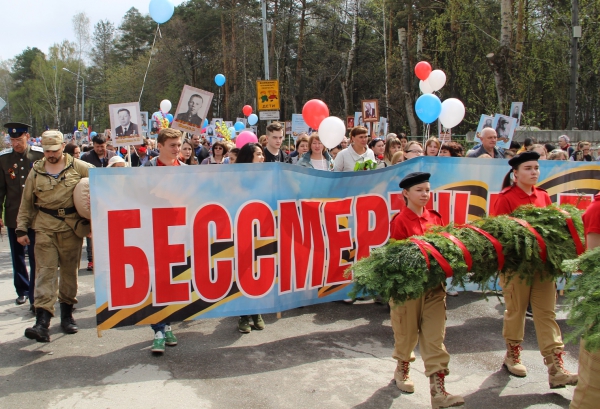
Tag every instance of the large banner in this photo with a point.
(185, 243)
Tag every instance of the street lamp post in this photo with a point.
(82, 91)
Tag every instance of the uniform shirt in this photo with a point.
(408, 223)
(14, 168)
(50, 192)
(591, 217)
(513, 197)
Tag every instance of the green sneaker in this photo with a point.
(158, 346)
(258, 322)
(170, 339)
(244, 324)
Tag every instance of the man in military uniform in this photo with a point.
(47, 207)
(15, 164)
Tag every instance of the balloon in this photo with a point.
(247, 110)
(239, 126)
(314, 112)
(220, 80)
(157, 116)
(427, 108)
(437, 79)
(244, 138)
(232, 130)
(453, 112)
(161, 11)
(422, 70)
(425, 87)
(205, 123)
(332, 131)
(169, 117)
(165, 106)
(252, 119)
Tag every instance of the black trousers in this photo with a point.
(24, 282)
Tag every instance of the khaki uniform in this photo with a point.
(423, 321)
(542, 296)
(56, 243)
(587, 393)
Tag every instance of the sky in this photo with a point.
(41, 23)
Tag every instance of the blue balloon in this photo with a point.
(232, 130)
(239, 126)
(428, 108)
(161, 11)
(169, 117)
(252, 119)
(220, 80)
(205, 123)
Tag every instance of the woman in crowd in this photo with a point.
(377, 145)
(316, 157)
(250, 153)
(582, 154)
(398, 158)
(302, 147)
(453, 149)
(262, 141)
(232, 155)
(333, 152)
(219, 150)
(540, 150)
(413, 150)
(558, 154)
(117, 162)
(432, 147)
(187, 153)
(527, 144)
(358, 151)
(392, 145)
(422, 320)
(73, 150)
(519, 188)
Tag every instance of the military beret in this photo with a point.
(522, 158)
(414, 179)
(15, 129)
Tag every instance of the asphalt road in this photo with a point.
(325, 356)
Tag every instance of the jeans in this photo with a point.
(160, 327)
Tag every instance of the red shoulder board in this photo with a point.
(506, 189)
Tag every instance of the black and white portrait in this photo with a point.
(370, 110)
(192, 109)
(516, 109)
(505, 128)
(125, 123)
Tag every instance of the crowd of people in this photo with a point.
(41, 216)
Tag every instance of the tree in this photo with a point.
(21, 70)
(136, 33)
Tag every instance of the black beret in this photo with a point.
(414, 179)
(15, 129)
(522, 158)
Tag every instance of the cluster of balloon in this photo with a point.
(331, 129)
(428, 107)
(163, 118)
(161, 11)
(252, 118)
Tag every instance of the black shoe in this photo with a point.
(529, 312)
(67, 322)
(40, 331)
(32, 308)
(22, 299)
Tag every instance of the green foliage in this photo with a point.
(398, 270)
(584, 299)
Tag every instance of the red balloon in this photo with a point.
(247, 110)
(422, 70)
(313, 112)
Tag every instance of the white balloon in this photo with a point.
(437, 79)
(425, 87)
(165, 106)
(332, 131)
(453, 112)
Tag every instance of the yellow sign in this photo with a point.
(82, 125)
(267, 95)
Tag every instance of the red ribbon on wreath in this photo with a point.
(574, 235)
(465, 251)
(497, 245)
(538, 237)
(427, 247)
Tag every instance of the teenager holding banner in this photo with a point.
(587, 393)
(519, 189)
(422, 320)
(169, 146)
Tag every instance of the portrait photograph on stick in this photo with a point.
(505, 128)
(485, 121)
(370, 110)
(125, 124)
(516, 110)
(191, 110)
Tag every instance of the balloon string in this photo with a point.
(149, 60)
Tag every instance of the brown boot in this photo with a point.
(439, 397)
(402, 377)
(558, 376)
(512, 361)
